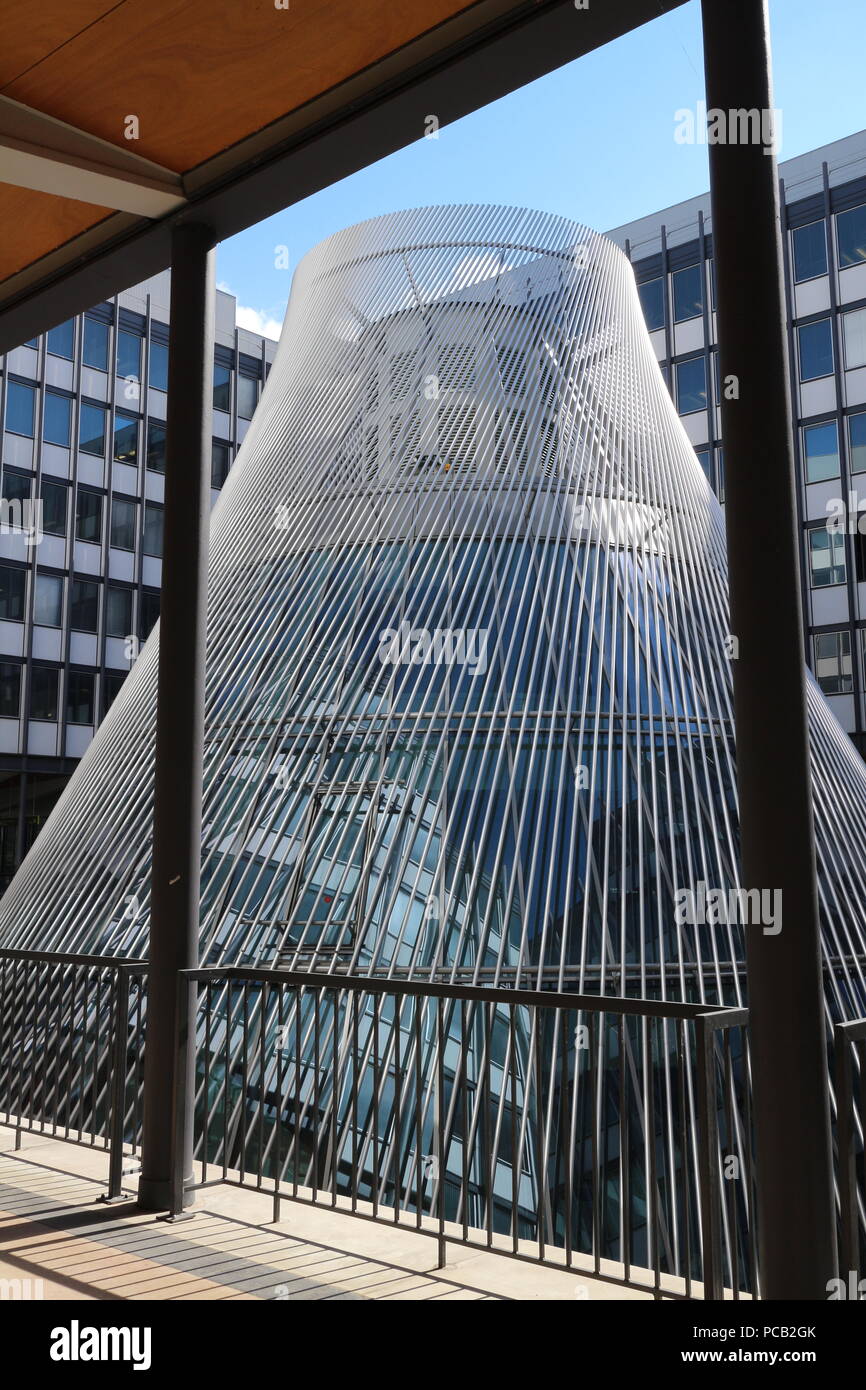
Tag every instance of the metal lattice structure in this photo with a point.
(469, 700)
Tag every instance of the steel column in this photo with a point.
(175, 886)
(792, 1123)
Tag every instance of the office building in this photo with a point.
(83, 409)
(823, 202)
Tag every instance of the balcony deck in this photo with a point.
(55, 1228)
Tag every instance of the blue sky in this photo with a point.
(593, 140)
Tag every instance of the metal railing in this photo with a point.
(850, 1066)
(608, 1136)
(71, 1050)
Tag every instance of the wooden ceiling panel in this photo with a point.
(32, 32)
(201, 75)
(37, 223)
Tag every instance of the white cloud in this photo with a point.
(254, 320)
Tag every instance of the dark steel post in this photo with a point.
(174, 922)
(796, 1222)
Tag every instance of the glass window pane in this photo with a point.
(810, 251)
(652, 300)
(152, 541)
(16, 487)
(84, 605)
(94, 351)
(857, 442)
(123, 523)
(60, 341)
(854, 338)
(54, 504)
(43, 692)
(111, 683)
(125, 439)
(156, 446)
(826, 557)
(148, 613)
(821, 449)
(79, 697)
(88, 516)
(91, 429)
(222, 387)
(851, 236)
(703, 456)
(219, 464)
(57, 426)
(48, 600)
(118, 611)
(248, 396)
(833, 662)
(128, 355)
(10, 690)
(816, 350)
(20, 408)
(159, 365)
(12, 586)
(691, 385)
(688, 286)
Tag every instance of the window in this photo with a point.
(152, 541)
(854, 338)
(48, 600)
(156, 446)
(54, 496)
(148, 612)
(111, 684)
(88, 516)
(704, 461)
(652, 301)
(248, 396)
(826, 557)
(60, 341)
(94, 352)
(128, 355)
(84, 605)
(20, 408)
(222, 387)
(43, 692)
(833, 662)
(851, 236)
(10, 690)
(125, 439)
(816, 350)
(857, 442)
(810, 251)
(12, 586)
(691, 385)
(91, 429)
(821, 450)
(123, 520)
(712, 265)
(720, 465)
(79, 697)
(16, 487)
(220, 462)
(688, 288)
(118, 611)
(57, 425)
(159, 365)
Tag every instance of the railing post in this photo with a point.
(184, 1102)
(118, 1054)
(708, 1173)
(849, 1244)
(175, 875)
(794, 1177)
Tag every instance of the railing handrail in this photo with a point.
(129, 963)
(712, 1015)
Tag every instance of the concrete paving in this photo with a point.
(58, 1240)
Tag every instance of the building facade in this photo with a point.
(468, 719)
(83, 409)
(823, 201)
